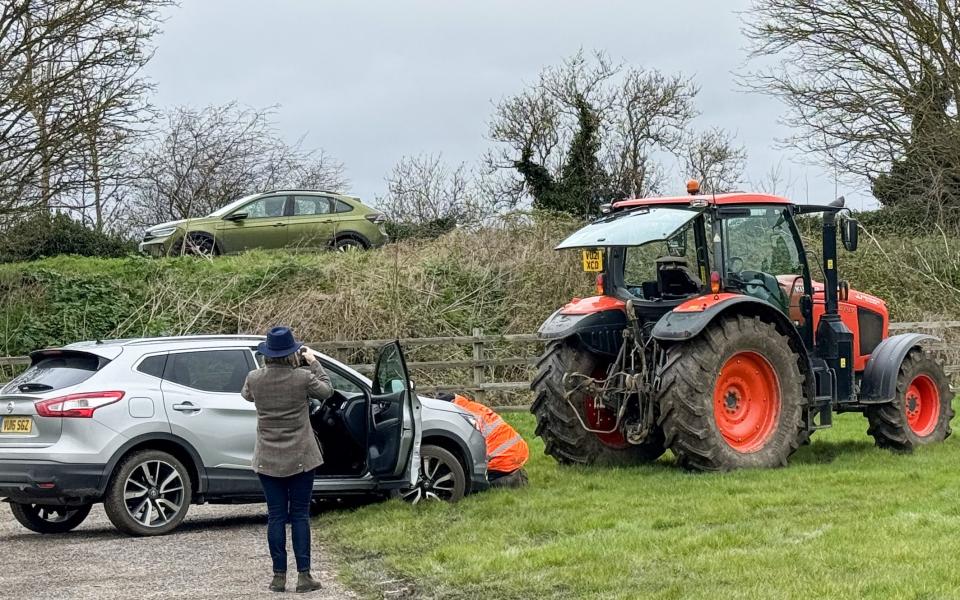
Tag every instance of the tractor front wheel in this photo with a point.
(564, 438)
(732, 397)
(921, 411)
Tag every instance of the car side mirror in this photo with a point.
(849, 230)
(237, 216)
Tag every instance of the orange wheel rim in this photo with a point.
(746, 401)
(922, 405)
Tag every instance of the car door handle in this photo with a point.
(279, 224)
(186, 407)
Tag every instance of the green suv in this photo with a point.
(275, 219)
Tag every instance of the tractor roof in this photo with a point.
(704, 200)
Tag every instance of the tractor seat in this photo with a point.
(675, 278)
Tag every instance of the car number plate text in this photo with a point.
(17, 425)
(593, 261)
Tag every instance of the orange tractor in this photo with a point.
(710, 337)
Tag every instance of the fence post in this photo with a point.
(478, 368)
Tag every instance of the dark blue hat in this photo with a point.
(280, 342)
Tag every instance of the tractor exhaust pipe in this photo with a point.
(830, 263)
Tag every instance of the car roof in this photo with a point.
(112, 348)
(705, 199)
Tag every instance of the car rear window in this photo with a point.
(343, 207)
(54, 371)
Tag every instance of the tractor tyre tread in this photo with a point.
(688, 378)
(888, 422)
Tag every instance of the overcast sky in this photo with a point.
(370, 81)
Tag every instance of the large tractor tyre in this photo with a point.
(921, 411)
(563, 436)
(732, 398)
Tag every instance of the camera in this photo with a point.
(302, 355)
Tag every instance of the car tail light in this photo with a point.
(77, 406)
(376, 218)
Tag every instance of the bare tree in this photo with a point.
(51, 51)
(423, 189)
(203, 159)
(872, 86)
(638, 114)
(713, 159)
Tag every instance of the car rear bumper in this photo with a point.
(41, 481)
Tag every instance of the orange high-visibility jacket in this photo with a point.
(506, 450)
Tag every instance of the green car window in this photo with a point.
(310, 205)
(271, 206)
(343, 207)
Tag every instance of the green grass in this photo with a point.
(844, 520)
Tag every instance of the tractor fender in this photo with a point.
(879, 382)
(597, 323)
(687, 320)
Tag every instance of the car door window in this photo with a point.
(222, 371)
(310, 205)
(343, 207)
(270, 207)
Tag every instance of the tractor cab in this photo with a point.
(715, 297)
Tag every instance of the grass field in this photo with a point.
(844, 520)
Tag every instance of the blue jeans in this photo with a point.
(288, 501)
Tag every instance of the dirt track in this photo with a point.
(218, 552)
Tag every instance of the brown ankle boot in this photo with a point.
(306, 583)
(279, 583)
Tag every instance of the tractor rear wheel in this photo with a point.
(921, 411)
(563, 436)
(732, 398)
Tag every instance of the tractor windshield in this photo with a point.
(635, 228)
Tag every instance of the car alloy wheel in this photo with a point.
(441, 478)
(153, 493)
(348, 245)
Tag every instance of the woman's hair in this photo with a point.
(290, 360)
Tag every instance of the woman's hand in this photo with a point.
(308, 355)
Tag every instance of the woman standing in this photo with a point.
(286, 451)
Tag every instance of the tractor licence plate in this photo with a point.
(17, 425)
(593, 261)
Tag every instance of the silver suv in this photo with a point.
(150, 426)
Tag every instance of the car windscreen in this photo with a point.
(229, 207)
(54, 370)
(637, 227)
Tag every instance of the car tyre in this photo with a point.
(49, 519)
(200, 244)
(348, 244)
(149, 494)
(442, 477)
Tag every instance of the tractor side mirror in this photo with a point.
(849, 231)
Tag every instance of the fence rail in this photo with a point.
(476, 367)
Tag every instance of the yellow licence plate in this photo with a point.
(17, 425)
(593, 261)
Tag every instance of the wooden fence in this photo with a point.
(478, 373)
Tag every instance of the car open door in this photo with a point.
(393, 447)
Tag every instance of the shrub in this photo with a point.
(45, 235)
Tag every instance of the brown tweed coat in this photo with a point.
(285, 442)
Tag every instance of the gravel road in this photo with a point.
(218, 552)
